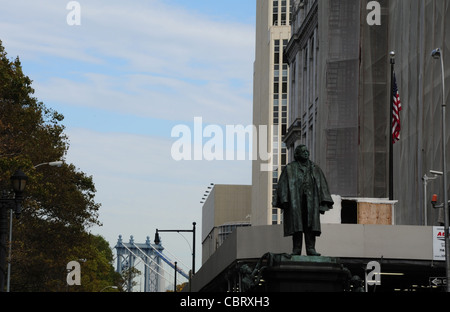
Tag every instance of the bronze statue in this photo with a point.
(303, 194)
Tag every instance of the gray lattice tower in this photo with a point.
(150, 256)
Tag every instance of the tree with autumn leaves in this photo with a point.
(59, 206)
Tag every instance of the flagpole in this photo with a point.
(437, 54)
(391, 141)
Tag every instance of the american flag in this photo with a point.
(396, 113)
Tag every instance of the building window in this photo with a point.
(284, 100)
(277, 45)
(305, 59)
(276, 58)
(283, 12)
(285, 71)
(275, 13)
(274, 216)
(226, 229)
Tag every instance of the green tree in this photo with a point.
(128, 278)
(59, 207)
(97, 271)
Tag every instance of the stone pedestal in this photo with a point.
(305, 274)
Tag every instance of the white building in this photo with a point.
(270, 103)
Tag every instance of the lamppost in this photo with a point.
(18, 181)
(157, 241)
(175, 278)
(425, 180)
(8, 280)
(437, 54)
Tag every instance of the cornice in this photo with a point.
(304, 32)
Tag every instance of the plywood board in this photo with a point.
(374, 213)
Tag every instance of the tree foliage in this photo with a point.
(60, 203)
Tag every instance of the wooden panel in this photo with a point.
(372, 213)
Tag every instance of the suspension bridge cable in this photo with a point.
(168, 261)
(148, 265)
(178, 260)
(150, 258)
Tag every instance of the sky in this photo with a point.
(125, 74)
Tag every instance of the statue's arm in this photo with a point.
(280, 199)
(326, 201)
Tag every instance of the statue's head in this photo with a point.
(301, 153)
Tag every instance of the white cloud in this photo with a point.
(144, 95)
(137, 57)
(151, 60)
(142, 188)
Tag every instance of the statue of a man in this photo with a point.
(303, 194)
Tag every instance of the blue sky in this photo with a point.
(123, 79)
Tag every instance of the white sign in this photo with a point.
(438, 243)
(438, 281)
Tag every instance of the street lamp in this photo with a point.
(437, 54)
(425, 180)
(18, 183)
(157, 241)
(113, 287)
(51, 164)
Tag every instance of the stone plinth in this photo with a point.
(305, 274)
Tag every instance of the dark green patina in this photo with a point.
(303, 194)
